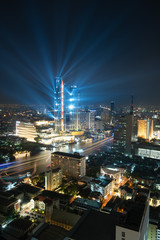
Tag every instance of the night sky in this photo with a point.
(111, 49)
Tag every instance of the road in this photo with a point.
(38, 163)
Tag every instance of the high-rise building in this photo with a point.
(145, 129)
(53, 179)
(59, 105)
(87, 120)
(112, 107)
(74, 99)
(120, 133)
(105, 115)
(73, 165)
(129, 128)
(112, 112)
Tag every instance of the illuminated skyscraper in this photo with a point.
(59, 104)
(145, 129)
(73, 107)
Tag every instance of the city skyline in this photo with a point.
(110, 51)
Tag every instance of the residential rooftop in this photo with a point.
(101, 181)
(86, 203)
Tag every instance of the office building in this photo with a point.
(145, 129)
(41, 131)
(105, 115)
(26, 130)
(120, 133)
(146, 149)
(59, 105)
(53, 179)
(73, 165)
(99, 125)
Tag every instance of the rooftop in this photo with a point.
(102, 181)
(65, 217)
(110, 170)
(21, 224)
(7, 202)
(94, 225)
(4, 194)
(52, 195)
(28, 188)
(86, 203)
(74, 155)
(16, 229)
(47, 232)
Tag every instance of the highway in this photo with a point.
(38, 163)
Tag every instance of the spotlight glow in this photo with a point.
(71, 107)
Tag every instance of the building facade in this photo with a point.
(145, 129)
(26, 130)
(59, 105)
(73, 165)
(53, 179)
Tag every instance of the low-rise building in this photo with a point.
(53, 179)
(111, 172)
(81, 205)
(103, 185)
(49, 200)
(126, 192)
(18, 229)
(64, 219)
(131, 223)
(8, 203)
(29, 190)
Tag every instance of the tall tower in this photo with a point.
(59, 104)
(111, 112)
(129, 128)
